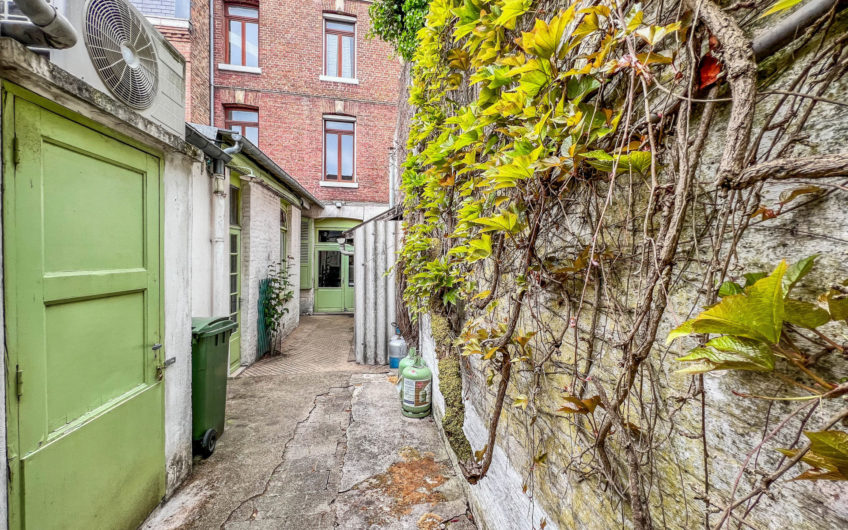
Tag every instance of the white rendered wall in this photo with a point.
(180, 171)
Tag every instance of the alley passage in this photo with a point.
(315, 441)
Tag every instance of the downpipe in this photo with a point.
(48, 28)
(792, 26)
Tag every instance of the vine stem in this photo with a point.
(767, 481)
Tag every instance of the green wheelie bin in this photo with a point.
(210, 341)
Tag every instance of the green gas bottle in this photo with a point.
(409, 360)
(417, 390)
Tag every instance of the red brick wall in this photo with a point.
(291, 98)
(199, 93)
(193, 44)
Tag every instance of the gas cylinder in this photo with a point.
(409, 360)
(417, 390)
(397, 348)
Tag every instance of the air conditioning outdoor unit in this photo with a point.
(120, 53)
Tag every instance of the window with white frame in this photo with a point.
(339, 148)
(340, 47)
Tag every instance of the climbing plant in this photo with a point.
(398, 22)
(556, 204)
(278, 294)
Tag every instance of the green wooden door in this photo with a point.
(333, 270)
(82, 224)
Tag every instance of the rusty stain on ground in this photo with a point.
(429, 521)
(409, 482)
(393, 379)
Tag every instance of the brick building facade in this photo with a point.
(292, 95)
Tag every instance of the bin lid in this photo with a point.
(201, 326)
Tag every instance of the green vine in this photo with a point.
(398, 22)
(555, 205)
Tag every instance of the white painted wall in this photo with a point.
(498, 500)
(180, 172)
(209, 266)
(260, 248)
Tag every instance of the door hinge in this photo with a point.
(19, 381)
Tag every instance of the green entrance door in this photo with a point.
(333, 272)
(82, 227)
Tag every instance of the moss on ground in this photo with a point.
(450, 384)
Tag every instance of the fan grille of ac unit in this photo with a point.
(122, 51)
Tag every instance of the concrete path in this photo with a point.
(319, 449)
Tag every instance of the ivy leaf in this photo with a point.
(580, 406)
(708, 71)
(730, 288)
(790, 195)
(805, 314)
(779, 6)
(837, 304)
(729, 353)
(756, 314)
(828, 455)
(543, 40)
(511, 10)
(796, 271)
(520, 401)
(752, 277)
(654, 34)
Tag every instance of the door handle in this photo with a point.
(156, 346)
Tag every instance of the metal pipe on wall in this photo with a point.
(49, 28)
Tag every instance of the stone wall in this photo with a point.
(734, 424)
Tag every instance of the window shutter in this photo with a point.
(305, 256)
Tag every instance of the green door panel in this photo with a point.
(82, 233)
(98, 475)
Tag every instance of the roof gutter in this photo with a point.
(49, 29)
(244, 145)
(195, 138)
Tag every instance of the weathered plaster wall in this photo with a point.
(734, 425)
(260, 248)
(180, 171)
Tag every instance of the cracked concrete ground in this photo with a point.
(319, 450)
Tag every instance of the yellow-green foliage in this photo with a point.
(450, 383)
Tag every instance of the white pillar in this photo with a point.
(370, 299)
(359, 294)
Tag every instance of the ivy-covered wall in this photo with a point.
(625, 225)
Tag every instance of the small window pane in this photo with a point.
(332, 55)
(340, 125)
(245, 12)
(329, 268)
(347, 157)
(329, 236)
(332, 158)
(234, 214)
(236, 129)
(252, 134)
(244, 115)
(347, 57)
(350, 271)
(251, 39)
(235, 42)
(339, 26)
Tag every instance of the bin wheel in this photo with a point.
(207, 445)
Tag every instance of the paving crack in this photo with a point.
(285, 451)
(343, 459)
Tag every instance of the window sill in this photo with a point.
(346, 80)
(238, 68)
(331, 184)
